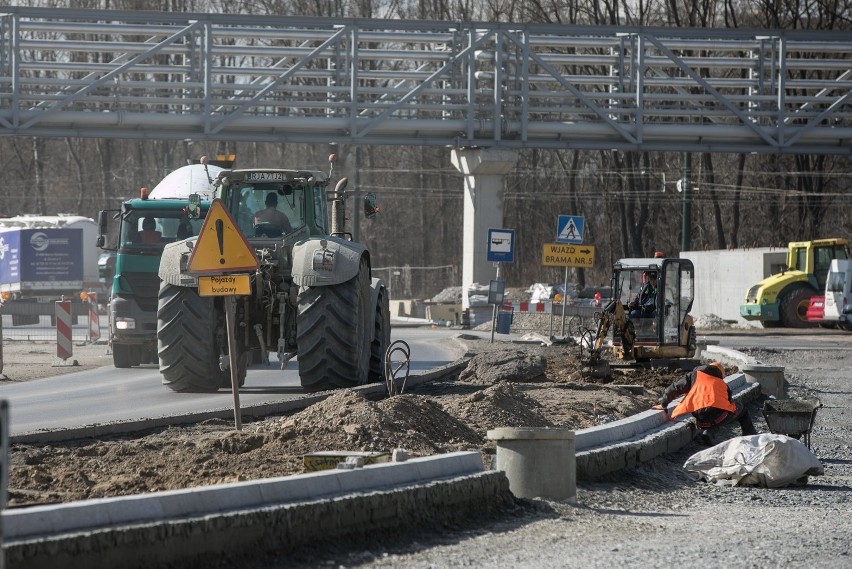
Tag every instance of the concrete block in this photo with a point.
(444, 312)
(618, 430)
(401, 308)
(299, 487)
(361, 479)
(539, 462)
(770, 379)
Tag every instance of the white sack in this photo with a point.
(767, 460)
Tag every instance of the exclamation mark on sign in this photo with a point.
(220, 235)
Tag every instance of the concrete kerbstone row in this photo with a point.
(668, 436)
(44, 521)
(200, 541)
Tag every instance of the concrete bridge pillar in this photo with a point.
(483, 170)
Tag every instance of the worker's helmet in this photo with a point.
(718, 366)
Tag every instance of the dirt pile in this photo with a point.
(437, 417)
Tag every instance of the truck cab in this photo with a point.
(137, 234)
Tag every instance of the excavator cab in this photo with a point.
(648, 314)
(662, 324)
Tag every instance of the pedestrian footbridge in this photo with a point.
(225, 77)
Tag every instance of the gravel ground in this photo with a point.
(656, 516)
(653, 516)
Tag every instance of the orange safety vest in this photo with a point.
(707, 391)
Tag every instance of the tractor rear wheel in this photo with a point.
(794, 307)
(334, 330)
(190, 334)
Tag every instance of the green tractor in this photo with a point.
(312, 296)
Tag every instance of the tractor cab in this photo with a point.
(656, 295)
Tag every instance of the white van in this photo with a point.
(838, 296)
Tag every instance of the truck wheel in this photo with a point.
(794, 307)
(190, 331)
(136, 356)
(334, 329)
(122, 356)
(381, 338)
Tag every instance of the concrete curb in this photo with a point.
(196, 532)
(625, 443)
(612, 447)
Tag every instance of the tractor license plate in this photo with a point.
(224, 285)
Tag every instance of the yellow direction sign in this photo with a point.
(561, 255)
(221, 247)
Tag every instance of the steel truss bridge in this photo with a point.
(215, 77)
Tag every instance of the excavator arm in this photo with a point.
(613, 315)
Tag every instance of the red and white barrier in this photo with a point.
(537, 307)
(63, 329)
(94, 318)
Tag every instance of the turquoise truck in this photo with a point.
(137, 233)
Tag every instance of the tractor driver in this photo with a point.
(645, 303)
(272, 215)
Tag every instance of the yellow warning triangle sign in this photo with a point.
(221, 246)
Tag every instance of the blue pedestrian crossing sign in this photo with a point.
(569, 229)
(501, 245)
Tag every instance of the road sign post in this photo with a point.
(559, 255)
(232, 357)
(501, 245)
(496, 292)
(221, 251)
(501, 249)
(4, 471)
(569, 230)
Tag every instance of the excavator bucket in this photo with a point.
(598, 370)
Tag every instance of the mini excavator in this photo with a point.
(662, 329)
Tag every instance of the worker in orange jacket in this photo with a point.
(708, 398)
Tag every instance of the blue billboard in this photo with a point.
(40, 255)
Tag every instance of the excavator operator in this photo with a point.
(645, 303)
